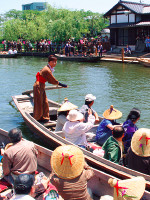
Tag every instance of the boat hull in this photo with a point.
(56, 139)
(78, 58)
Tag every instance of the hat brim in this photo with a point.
(67, 106)
(115, 114)
(77, 118)
(139, 145)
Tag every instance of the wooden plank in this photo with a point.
(46, 88)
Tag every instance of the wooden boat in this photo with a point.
(144, 61)
(36, 54)
(24, 104)
(8, 55)
(98, 184)
(78, 58)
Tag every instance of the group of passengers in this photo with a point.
(68, 178)
(120, 142)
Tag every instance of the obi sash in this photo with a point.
(40, 78)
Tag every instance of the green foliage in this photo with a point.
(55, 24)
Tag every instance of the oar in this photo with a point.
(46, 88)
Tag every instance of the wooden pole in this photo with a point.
(122, 53)
(46, 88)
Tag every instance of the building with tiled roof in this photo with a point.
(128, 21)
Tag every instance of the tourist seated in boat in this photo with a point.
(89, 101)
(138, 155)
(70, 173)
(127, 50)
(20, 157)
(132, 188)
(104, 130)
(130, 127)
(62, 114)
(75, 129)
(113, 147)
(24, 187)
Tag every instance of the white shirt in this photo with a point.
(61, 120)
(75, 131)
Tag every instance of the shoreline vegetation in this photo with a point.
(56, 25)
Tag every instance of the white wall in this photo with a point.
(131, 17)
(113, 19)
(122, 18)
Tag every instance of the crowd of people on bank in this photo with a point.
(84, 45)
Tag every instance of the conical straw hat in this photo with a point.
(67, 161)
(67, 106)
(140, 143)
(129, 189)
(112, 113)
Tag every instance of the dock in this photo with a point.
(118, 58)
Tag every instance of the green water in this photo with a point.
(123, 85)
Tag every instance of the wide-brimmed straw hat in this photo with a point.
(140, 143)
(112, 113)
(74, 115)
(67, 161)
(128, 189)
(66, 106)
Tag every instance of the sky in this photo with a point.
(100, 6)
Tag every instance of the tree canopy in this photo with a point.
(54, 24)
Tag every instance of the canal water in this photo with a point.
(123, 85)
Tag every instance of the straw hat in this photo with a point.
(66, 106)
(140, 143)
(112, 113)
(128, 189)
(67, 161)
(74, 115)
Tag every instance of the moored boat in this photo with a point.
(144, 61)
(78, 58)
(8, 55)
(98, 184)
(24, 104)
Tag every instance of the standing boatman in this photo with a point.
(41, 106)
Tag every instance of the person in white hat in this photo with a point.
(75, 129)
(89, 101)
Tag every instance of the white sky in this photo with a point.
(100, 6)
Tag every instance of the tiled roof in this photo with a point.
(143, 24)
(138, 8)
(146, 9)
